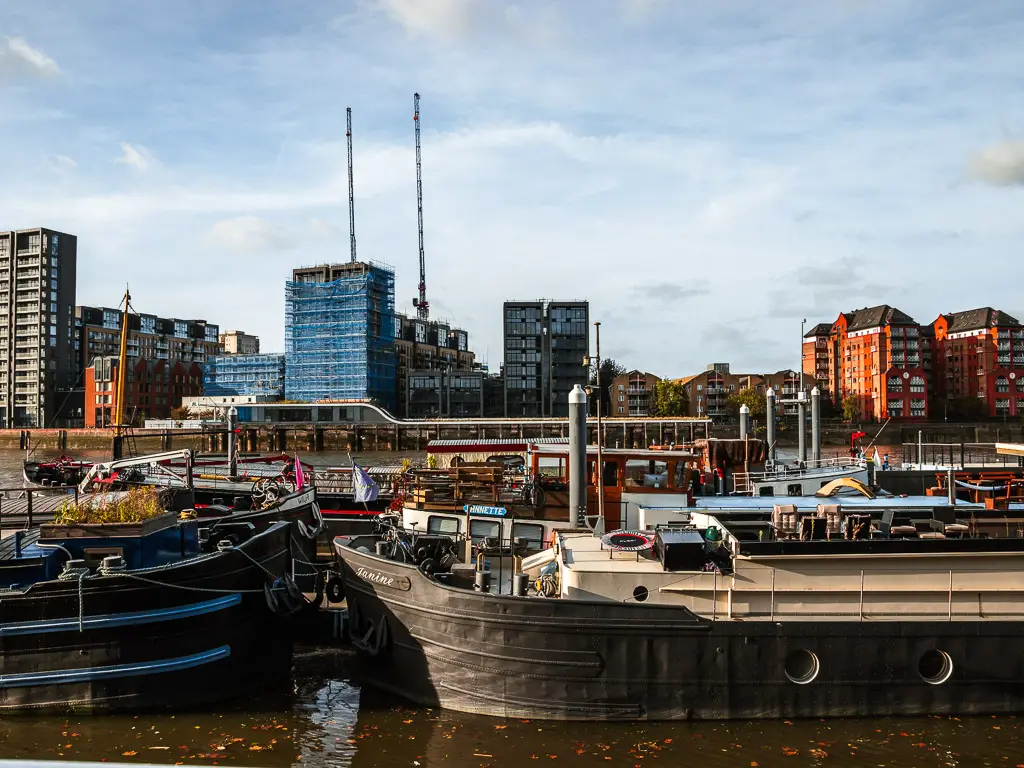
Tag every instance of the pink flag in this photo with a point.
(300, 479)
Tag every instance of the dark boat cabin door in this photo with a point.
(611, 477)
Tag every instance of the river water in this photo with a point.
(326, 717)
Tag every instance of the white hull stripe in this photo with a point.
(69, 676)
(106, 621)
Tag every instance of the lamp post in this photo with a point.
(600, 436)
(599, 479)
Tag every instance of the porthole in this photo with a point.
(935, 667)
(640, 594)
(802, 666)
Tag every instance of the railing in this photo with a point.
(19, 504)
(963, 596)
(957, 455)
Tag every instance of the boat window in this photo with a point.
(766, 490)
(794, 489)
(551, 466)
(508, 462)
(534, 535)
(446, 525)
(647, 474)
(484, 529)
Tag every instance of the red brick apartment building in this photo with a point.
(152, 389)
(979, 354)
(879, 356)
(631, 393)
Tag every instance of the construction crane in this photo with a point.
(351, 188)
(421, 303)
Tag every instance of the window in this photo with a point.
(895, 384)
(484, 529)
(917, 384)
(533, 534)
(1002, 384)
(446, 525)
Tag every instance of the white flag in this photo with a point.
(363, 486)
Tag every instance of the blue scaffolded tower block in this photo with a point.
(232, 375)
(340, 336)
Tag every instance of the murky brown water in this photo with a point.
(326, 718)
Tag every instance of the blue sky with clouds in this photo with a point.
(705, 173)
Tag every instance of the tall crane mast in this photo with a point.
(351, 188)
(421, 303)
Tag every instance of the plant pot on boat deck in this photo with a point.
(136, 513)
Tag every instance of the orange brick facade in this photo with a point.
(153, 388)
(874, 358)
(964, 365)
(979, 364)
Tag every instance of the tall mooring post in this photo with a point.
(578, 456)
(801, 426)
(232, 441)
(744, 421)
(769, 416)
(816, 425)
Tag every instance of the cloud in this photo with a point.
(61, 163)
(17, 57)
(445, 19)
(1001, 165)
(136, 156)
(247, 234)
(671, 292)
(820, 292)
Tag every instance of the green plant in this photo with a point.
(135, 506)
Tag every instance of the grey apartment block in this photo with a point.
(37, 301)
(545, 343)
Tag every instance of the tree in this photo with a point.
(752, 398)
(850, 407)
(180, 413)
(609, 370)
(668, 398)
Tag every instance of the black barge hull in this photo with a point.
(178, 637)
(438, 646)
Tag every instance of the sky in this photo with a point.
(706, 173)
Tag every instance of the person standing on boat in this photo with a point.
(885, 462)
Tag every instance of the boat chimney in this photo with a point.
(951, 482)
(801, 426)
(232, 441)
(578, 456)
(770, 422)
(744, 421)
(816, 425)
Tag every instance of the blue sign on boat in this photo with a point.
(474, 509)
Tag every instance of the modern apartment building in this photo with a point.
(98, 334)
(631, 393)
(340, 334)
(239, 343)
(426, 346)
(978, 364)
(445, 394)
(877, 359)
(545, 344)
(235, 374)
(37, 299)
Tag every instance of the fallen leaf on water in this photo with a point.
(407, 721)
(159, 747)
(130, 753)
(255, 748)
(500, 727)
(754, 764)
(789, 751)
(481, 754)
(668, 741)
